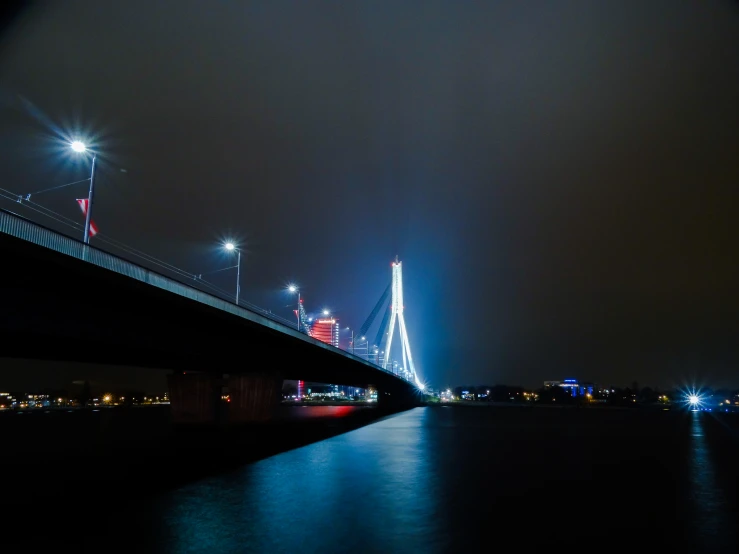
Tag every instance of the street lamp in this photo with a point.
(326, 313)
(230, 247)
(293, 289)
(80, 148)
(352, 340)
(366, 347)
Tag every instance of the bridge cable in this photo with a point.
(14, 198)
(382, 331)
(28, 195)
(100, 236)
(373, 314)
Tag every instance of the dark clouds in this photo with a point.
(560, 179)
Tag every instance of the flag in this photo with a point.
(83, 206)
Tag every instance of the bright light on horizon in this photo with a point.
(78, 146)
(694, 399)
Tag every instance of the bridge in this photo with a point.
(65, 300)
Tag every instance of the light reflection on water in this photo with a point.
(294, 412)
(372, 488)
(446, 480)
(710, 506)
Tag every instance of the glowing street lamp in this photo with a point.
(230, 247)
(294, 289)
(351, 343)
(80, 148)
(366, 347)
(326, 313)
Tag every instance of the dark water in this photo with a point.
(449, 479)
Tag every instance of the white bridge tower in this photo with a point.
(396, 315)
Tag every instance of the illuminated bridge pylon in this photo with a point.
(396, 316)
(392, 315)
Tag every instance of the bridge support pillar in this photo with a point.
(253, 397)
(396, 399)
(194, 397)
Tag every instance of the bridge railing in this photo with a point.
(24, 229)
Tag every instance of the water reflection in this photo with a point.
(447, 480)
(372, 489)
(314, 412)
(710, 506)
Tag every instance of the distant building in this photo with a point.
(573, 386)
(326, 330)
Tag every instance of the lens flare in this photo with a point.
(694, 399)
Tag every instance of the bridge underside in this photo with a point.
(56, 307)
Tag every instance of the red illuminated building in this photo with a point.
(326, 330)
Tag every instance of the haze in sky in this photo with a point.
(558, 178)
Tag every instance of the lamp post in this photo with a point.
(352, 339)
(80, 148)
(293, 289)
(230, 246)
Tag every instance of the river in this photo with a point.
(450, 479)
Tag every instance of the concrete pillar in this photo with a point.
(398, 399)
(254, 397)
(193, 397)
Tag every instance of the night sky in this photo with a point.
(560, 179)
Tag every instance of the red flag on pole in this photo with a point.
(83, 206)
